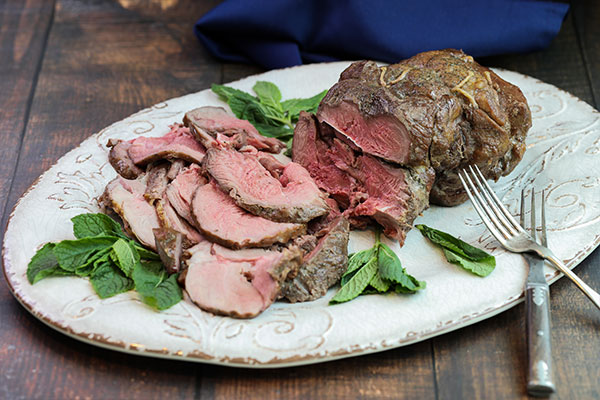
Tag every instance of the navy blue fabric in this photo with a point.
(282, 33)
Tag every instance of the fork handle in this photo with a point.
(588, 291)
(539, 379)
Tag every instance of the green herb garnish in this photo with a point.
(269, 115)
(113, 262)
(458, 252)
(375, 270)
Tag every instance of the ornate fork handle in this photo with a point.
(547, 254)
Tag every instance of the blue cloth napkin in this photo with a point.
(282, 33)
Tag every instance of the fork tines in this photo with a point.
(492, 212)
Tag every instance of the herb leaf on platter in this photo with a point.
(375, 270)
(270, 116)
(44, 264)
(459, 252)
(90, 225)
(109, 258)
(155, 286)
(108, 280)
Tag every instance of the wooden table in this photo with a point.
(68, 68)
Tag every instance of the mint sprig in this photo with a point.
(375, 270)
(113, 262)
(270, 116)
(461, 253)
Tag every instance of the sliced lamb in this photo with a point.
(181, 190)
(157, 182)
(178, 143)
(221, 220)
(120, 160)
(294, 197)
(176, 167)
(363, 185)
(322, 267)
(169, 219)
(239, 283)
(126, 198)
(214, 124)
(169, 246)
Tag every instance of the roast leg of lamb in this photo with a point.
(413, 124)
(439, 109)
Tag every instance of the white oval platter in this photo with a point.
(563, 157)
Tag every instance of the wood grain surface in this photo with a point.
(71, 67)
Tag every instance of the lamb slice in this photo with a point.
(176, 167)
(239, 283)
(322, 267)
(157, 182)
(169, 245)
(118, 156)
(126, 198)
(169, 218)
(294, 197)
(222, 221)
(212, 125)
(181, 190)
(178, 143)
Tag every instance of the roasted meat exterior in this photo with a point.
(438, 109)
(322, 267)
(293, 197)
(214, 125)
(238, 283)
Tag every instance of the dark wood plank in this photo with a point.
(95, 73)
(404, 373)
(587, 24)
(23, 32)
(488, 360)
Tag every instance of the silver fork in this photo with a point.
(537, 304)
(507, 231)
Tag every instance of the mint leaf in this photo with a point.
(294, 106)
(74, 253)
(379, 284)
(44, 264)
(89, 225)
(268, 94)
(108, 280)
(482, 267)
(390, 269)
(125, 256)
(267, 113)
(144, 253)
(355, 262)
(461, 253)
(93, 261)
(155, 288)
(357, 283)
(225, 93)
